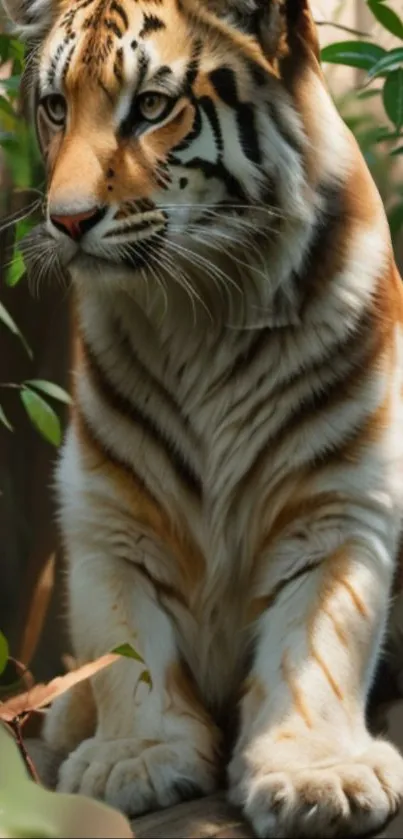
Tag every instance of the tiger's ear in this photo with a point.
(301, 31)
(279, 24)
(31, 18)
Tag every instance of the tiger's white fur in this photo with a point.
(245, 548)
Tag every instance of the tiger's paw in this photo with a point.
(285, 798)
(136, 777)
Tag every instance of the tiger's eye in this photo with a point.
(56, 108)
(154, 106)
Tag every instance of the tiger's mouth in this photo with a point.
(123, 237)
(46, 253)
(133, 255)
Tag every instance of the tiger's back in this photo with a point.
(231, 483)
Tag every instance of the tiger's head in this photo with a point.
(174, 126)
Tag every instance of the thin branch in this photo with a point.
(343, 28)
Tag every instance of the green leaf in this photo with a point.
(4, 421)
(23, 227)
(5, 136)
(145, 677)
(12, 84)
(42, 416)
(369, 94)
(50, 389)
(12, 326)
(16, 270)
(3, 652)
(393, 97)
(388, 136)
(387, 17)
(397, 152)
(396, 219)
(17, 50)
(8, 141)
(360, 54)
(19, 158)
(5, 46)
(391, 61)
(128, 651)
(384, 135)
(11, 48)
(6, 108)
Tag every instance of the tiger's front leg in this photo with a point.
(153, 746)
(305, 764)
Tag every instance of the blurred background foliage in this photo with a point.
(34, 334)
(374, 109)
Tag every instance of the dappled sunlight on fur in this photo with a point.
(231, 482)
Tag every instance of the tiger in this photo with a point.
(230, 485)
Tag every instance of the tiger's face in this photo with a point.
(163, 126)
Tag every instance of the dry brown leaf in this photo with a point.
(43, 694)
(38, 610)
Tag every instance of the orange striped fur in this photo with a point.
(231, 485)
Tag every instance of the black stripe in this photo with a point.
(113, 27)
(68, 62)
(223, 80)
(329, 238)
(244, 360)
(245, 118)
(161, 588)
(193, 134)
(278, 589)
(124, 341)
(193, 67)
(116, 7)
(219, 171)
(118, 65)
(323, 237)
(355, 348)
(339, 391)
(162, 73)
(125, 407)
(207, 106)
(117, 461)
(258, 74)
(143, 64)
(210, 111)
(319, 401)
(133, 120)
(82, 4)
(151, 23)
(283, 130)
(55, 61)
(93, 21)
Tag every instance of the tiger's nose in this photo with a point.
(77, 224)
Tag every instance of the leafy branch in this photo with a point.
(383, 68)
